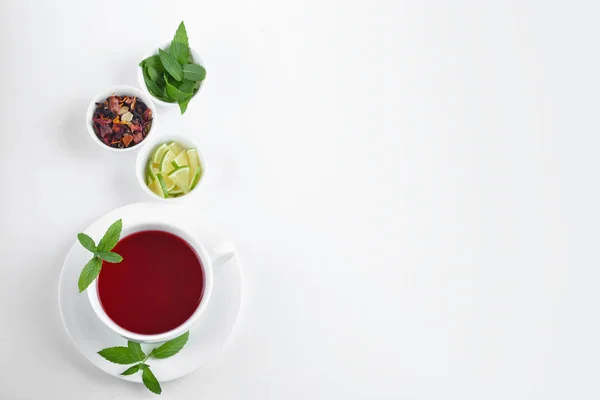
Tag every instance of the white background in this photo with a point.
(412, 187)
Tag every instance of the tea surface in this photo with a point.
(158, 285)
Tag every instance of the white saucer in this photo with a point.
(207, 337)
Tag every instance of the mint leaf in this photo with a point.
(171, 347)
(180, 51)
(136, 349)
(153, 73)
(154, 62)
(194, 72)
(87, 242)
(89, 273)
(187, 86)
(180, 47)
(171, 65)
(110, 257)
(183, 104)
(135, 368)
(150, 381)
(155, 89)
(175, 93)
(181, 35)
(111, 237)
(131, 370)
(118, 355)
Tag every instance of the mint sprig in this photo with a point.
(133, 354)
(101, 252)
(171, 75)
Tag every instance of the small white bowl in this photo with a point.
(142, 162)
(142, 83)
(121, 90)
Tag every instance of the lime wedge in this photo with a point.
(169, 182)
(165, 162)
(193, 159)
(181, 176)
(194, 163)
(175, 147)
(181, 160)
(171, 185)
(196, 178)
(159, 152)
(150, 171)
(163, 186)
(176, 192)
(155, 187)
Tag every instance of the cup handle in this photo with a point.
(221, 253)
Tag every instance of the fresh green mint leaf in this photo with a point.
(183, 104)
(175, 93)
(150, 381)
(136, 349)
(89, 273)
(135, 368)
(155, 89)
(187, 86)
(171, 65)
(180, 51)
(154, 62)
(153, 73)
(111, 237)
(119, 355)
(194, 72)
(180, 46)
(131, 370)
(110, 257)
(87, 242)
(181, 35)
(171, 347)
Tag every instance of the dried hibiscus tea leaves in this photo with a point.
(122, 121)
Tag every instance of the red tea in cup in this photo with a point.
(158, 285)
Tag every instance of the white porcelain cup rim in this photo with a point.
(220, 255)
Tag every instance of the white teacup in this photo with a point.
(221, 254)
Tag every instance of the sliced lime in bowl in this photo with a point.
(181, 176)
(171, 169)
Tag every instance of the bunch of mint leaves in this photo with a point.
(171, 75)
(133, 354)
(101, 252)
